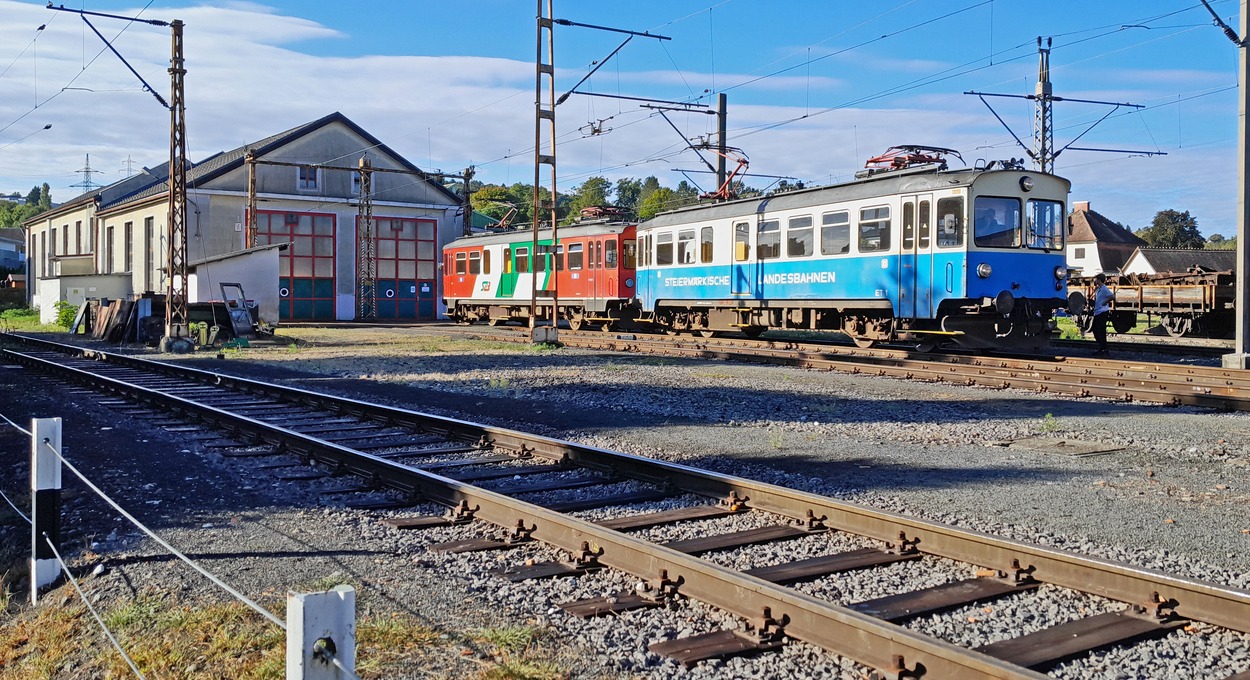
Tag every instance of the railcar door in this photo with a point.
(915, 297)
(507, 282)
(741, 278)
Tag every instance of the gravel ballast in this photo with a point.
(1172, 493)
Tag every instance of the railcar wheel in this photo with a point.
(706, 333)
(496, 322)
(607, 327)
(863, 343)
(1177, 326)
(753, 331)
(577, 322)
(925, 346)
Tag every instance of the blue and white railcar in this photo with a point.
(973, 256)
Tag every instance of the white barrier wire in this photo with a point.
(26, 432)
(87, 602)
(177, 553)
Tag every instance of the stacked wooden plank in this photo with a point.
(115, 322)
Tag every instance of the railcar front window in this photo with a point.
(835, 233)
(1044, 229)
(629, 252)
(768, 247)
(996, 222)
(800, 237)
(685, 246)
(663, 249)
(475, 263)
(460, 263)
(705, 245)
(874, 229)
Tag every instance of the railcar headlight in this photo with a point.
(984, 270)
(1026, 183)
(1060, 272)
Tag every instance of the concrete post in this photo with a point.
(1240, 356)
(321, 635)
(45, 501)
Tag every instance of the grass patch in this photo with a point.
(519, 654)
(167, 638)
(26, 319)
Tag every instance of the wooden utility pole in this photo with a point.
(249, 240)
(468, 204)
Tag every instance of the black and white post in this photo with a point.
(45, 500)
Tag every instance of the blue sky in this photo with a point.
(814, 87)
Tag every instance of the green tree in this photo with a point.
(32, 198)
(649, 185)
(45, 197)
(657, 201)
(628, 192)
(593, 192)
(1219, 242)
(1172, 229)
(13, 214)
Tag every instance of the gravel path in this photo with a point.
(1170, 489)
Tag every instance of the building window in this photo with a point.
(149, 254)
(1079, 253)
(356, 183)
(306, 179)
(78, 237)
(130, 246)
(65, 240)
(52, 250)
(108, 250)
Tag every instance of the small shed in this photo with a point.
(256, 269)
(1179, 260)
(15, 281)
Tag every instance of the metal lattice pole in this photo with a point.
(250, 239)
(176, 299)
(544, 134)
(1043, 125)
(366, 248)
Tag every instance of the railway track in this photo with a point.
(1108, 378)
(482, 474)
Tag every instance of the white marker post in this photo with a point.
(45, 501)
(321, 635)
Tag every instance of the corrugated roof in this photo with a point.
(1180, 260)
(1088, 226)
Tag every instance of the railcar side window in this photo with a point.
(742, 241)
(598, 255)
(609, 254)
(800, 237)
(950, 226)
(835, 233)
(522, 260)
(874, 229)
(705, 244)
(922, 224)
(540, 259)
(768, 245)
(1045, 225)
(997, 222)
(559, 258)
(630, 255)
(909, 226)
(685, 246)
(575, 256)
(460, 257)
(663, 249)
(475, 263)
(485, 261)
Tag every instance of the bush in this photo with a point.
(65, 313)
(20, 314)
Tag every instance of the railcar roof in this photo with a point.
(527, 235)
(919, 180)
